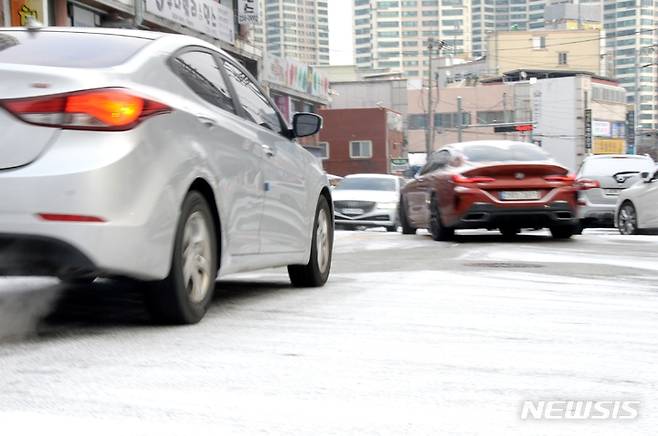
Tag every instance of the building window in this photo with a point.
(323, 150)
(538, 42)
(562, 58)
(360, 149)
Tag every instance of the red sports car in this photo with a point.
(503, 185)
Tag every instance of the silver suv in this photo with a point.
(614, 173)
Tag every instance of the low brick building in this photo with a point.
(360, 140)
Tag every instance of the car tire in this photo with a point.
(392, 228)
(438, 230)
(578, 228)
(407, 229)
(562, 232)
(627, 219)
(184, 296)
(316, 272)
(509, 232)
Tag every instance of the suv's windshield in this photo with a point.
(503, 153)
(71, 50)
(366, 184)
(613, 165)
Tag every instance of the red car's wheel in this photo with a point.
(407, 229)
(439, 231)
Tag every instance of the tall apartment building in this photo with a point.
(629, 39)
(295, 29)
(632, 46)
(394, 34)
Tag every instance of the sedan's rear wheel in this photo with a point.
(627, 220)
(316, 272)
(439, 231)
(184, 296)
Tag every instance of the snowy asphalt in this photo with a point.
(410, 336)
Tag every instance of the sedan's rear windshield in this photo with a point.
(504, 153)
(613, 165)
(366, 184)
(67, 49)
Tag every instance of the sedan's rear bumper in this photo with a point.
(597, 215)
(42, 256)
(484, 215)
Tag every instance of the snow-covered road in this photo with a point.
(410, 336)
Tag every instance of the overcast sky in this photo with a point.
(340, 32)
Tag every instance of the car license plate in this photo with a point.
(353, 211)
(612, 192)
(520, 195)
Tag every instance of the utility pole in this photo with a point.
(429, 122)
(505, 120)
(438, 99)
(460, 120)
(429, 132)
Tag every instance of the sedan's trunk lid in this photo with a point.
(21, 143)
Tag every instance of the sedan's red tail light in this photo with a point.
(558, 178)
(98, 109)
(459, 179)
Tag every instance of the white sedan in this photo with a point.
(155, 157)
(367, 200)
(637, 206)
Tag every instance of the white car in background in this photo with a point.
(367, 200)
(614, 173)
(637, 206)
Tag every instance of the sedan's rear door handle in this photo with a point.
(268, 150)
(208, 122)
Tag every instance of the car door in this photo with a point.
(419, 197)
(646, 202)
(283, 227)
(233, 152)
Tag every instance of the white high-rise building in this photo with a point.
(394, 34)
(295, 29)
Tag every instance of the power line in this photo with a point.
(581, 41)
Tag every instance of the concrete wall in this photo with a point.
(508, 51)
(370, 94)
(558, 112)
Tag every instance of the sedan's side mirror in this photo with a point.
(305, 124)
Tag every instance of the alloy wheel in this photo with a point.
(322, 241)
(196, 257)
(627, 220)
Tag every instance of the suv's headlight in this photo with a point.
(387, 205)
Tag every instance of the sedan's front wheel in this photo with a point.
(627, 220)
(184, 296)
(316, 272)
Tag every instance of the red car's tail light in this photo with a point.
(557, 178)
(99, 109)
(458, 178)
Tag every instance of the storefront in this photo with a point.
(608, 137)
(294, 86)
